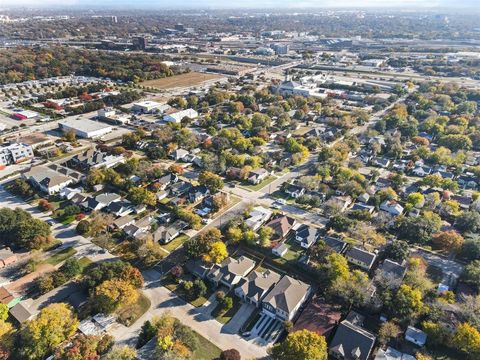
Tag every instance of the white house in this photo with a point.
(258, 216)
(179, 115)
(391, 207)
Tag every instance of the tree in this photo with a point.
(471, 274)
(82, 346)
(121, 352)
(336, 267)
(300, 345)
(217, 253)
(6, 339)
(113, 294)
(177, 271)
(407, 302)
(199, 288)
(397, 250)
(471, 248)
(41, 336)
(388, 331)
(437, 334)
(416, 199)
(213, 182)
(418, 229)
(83, 227)
(234, 234)
(230, 354)
(139, 195)
(448, 241)
(468, 221)
(265, 234)
(3, 312)
(467, 340)
(147, 332)
(352, 289)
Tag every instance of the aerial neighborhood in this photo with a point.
(239, 188)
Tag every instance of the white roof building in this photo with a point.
(85, 128)
(179, 115)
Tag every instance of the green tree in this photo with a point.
(467, 340)
(471, 274)
(213, 182)
(121, 352)
(41, 336)
(300, 345)
(3, 312)
(408, 302)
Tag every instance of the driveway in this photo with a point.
(237, 321)
(165, 301)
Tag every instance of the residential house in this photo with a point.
(340, 202)
(198, 193)
(416, 336)
(165, 181)
(139, 228)
(280, 250)
(363, 207)
(230, 271)
(258, 216)
(165, 234)
(286, 298)
(422, 171)
(392, 270)
(233, 172)
(361, 258)
(281, 226)
(120, 208)
(392, 354)
(94, 159)
(100, 201)
(335, 244)
(391, 207)
(180, 188)
(47, 180)
(256, 285)
(363, 198)
(307, 235)
(69, 193)
(381, 162)
(294, 191)
(351, 342)
(178, 154)
(257, 176)
(122, 222)
(198, 268)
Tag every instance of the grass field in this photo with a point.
(61, 256)
(205, 350)
(182, 80)
(259, 186)
(129, 314)
(172, 245)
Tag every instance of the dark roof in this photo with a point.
(318, 317)
(309, 234)
(352, 342)
(258, 284)
(394, 268)
(361, 255)
(20, 313)
(334, 243)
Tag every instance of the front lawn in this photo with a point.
(251, 187)
(205, 350)
(175, 243)
(129, 314)
(225, 316)
(176, 288)
(84, 262)
(61, 256)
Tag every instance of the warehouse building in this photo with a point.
(85, 128)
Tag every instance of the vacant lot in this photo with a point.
(182, 80)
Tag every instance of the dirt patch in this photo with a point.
(21, 285)
(182, 80)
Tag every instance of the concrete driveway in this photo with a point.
(237, 321)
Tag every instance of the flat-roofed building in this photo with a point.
(85, 128)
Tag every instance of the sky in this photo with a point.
(138, 4)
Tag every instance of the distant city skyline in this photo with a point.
(244, 4)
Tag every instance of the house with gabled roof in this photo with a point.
(351, 342)
(286, 298)
(307, 235)
(362, 258)
(256, 285)
(257, 217)
(230, 271)
(281, 226)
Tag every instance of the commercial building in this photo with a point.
(15, 153)
(148, 106)
(179, 115)
(85, 128)
(24, 115)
